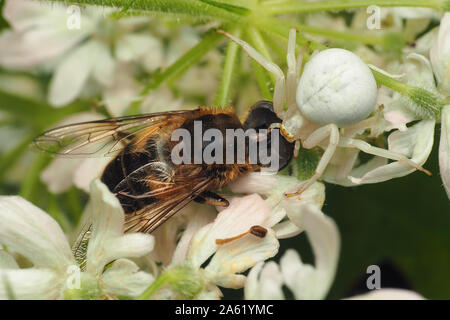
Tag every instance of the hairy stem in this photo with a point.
(162, 280)
(194, 8)
(383, 39)
(425, 104)
(301, 6)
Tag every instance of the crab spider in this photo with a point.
(315, 125)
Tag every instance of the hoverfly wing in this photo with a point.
(154, 215)
(101, 137)
(169, 192)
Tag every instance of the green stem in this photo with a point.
(12, 156)
(390, 82)
(281, 30)
(301, 6)
(262, 80)
(222, 97)
(55, 211)
(193, 8)
(37, 113)
(73, 201)
(162, 280)
(366, 38)
(32, 177)
(179, 67)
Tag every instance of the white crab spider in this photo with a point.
(311, 124)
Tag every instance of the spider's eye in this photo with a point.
(261, 116)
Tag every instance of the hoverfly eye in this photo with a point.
(260, 116)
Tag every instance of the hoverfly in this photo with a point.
(149, 185)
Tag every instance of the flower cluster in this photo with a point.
(78, 64)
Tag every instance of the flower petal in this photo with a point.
(238, 256)
(440, 55)
(274, 187)
(71, 75)
(325, 241)
(107, 242)
(444, 149)
(416, 143)
(201, 217)
(134, 46)
(388, 294)
(104, 66)
(124, 278)
(265, 284)
(39, 34)
(88, 170)
(28, 230)
(29, 284)
(58, 176)
(7, 261)
(239, 217)
(300, 278)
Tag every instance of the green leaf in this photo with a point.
(37, 113)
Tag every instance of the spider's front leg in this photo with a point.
(331, 131)
(279, 91)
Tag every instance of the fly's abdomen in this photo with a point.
(134, 176)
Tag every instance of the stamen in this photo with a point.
(255, 230)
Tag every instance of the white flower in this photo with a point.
(33, 25)
(415, 143)
(388, 294)
(304, 280)
(40, 36)
(30, 232)
(273, 188)
(444, 149)
(440, 55)
(227, 261)
(414, 13)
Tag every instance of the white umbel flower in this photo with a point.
(444, 149)
(273, 188)
(30, 232)
(304, 280)
(40, 38)
(227, 261)
(440, 55)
